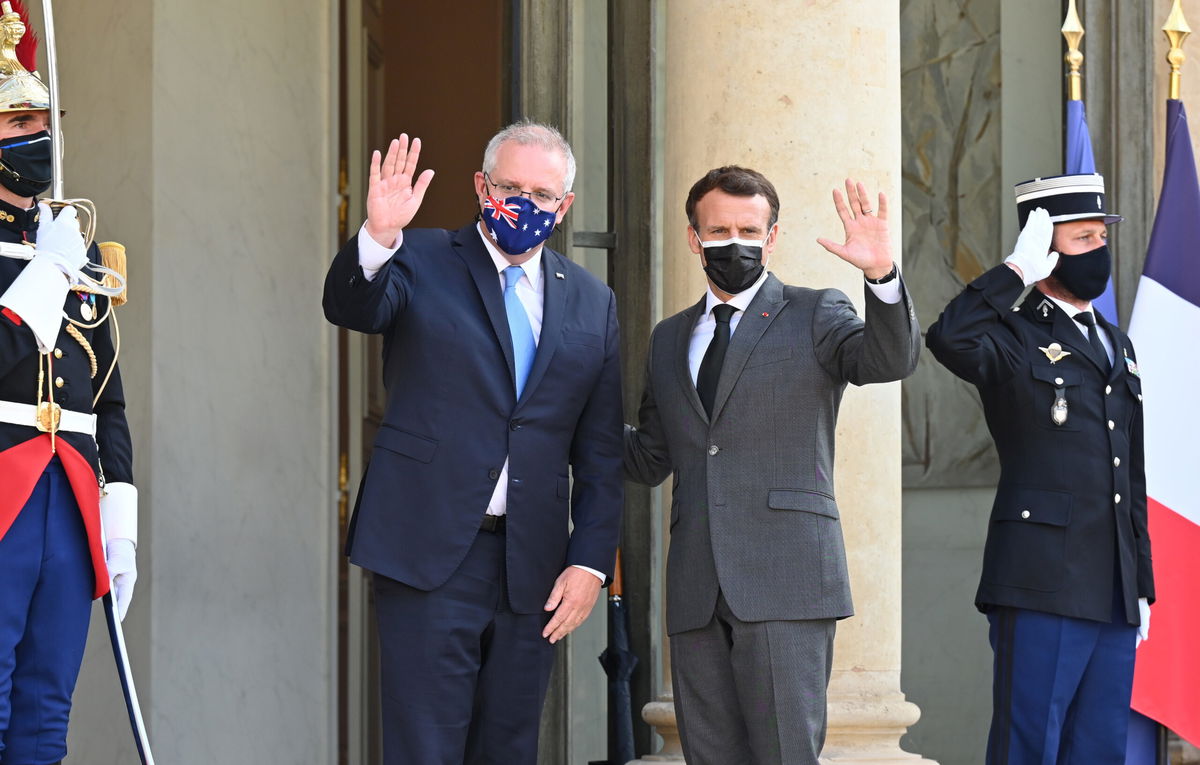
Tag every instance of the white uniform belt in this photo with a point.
(26, 414)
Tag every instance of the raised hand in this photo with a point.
(392, 197)
(867, 246)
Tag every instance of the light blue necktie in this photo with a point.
(524, 348)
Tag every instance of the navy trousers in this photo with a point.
(46, 584)
(463, 677)
(1061, 688)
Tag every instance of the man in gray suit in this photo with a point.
(741, 401)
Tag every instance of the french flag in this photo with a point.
(1165, 328)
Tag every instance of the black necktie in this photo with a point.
(714, 357)
(1088, 320)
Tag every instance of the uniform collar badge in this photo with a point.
(1055, 352)
(1045, 307)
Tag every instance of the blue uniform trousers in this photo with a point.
(46, 584)
(463, 678)
(1061, 688)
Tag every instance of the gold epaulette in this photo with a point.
(112, 255)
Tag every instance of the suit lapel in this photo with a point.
(758, 316)
(554, 303)
(469, 247)
(683, 342)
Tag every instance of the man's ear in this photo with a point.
(694, 241)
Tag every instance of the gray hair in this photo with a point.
(530, 133)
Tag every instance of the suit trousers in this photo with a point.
(46, 583)
(463, 677)
(752, 693)
(1061, 688)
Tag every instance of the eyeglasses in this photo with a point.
(540, 198)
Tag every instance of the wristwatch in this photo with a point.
(886, 277)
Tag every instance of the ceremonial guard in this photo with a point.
(1067, 580)
(68, 508)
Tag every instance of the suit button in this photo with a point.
(493, 474)
(514, 425)
(1058, 381)
(58, 353)
(1024, 513)
(1116, 462)
(712, 450)
(1111, 424)
(1107, 389)
(1117, 499)
(58, 382)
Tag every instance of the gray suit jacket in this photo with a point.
(753, 512)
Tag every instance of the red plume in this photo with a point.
(27, 48)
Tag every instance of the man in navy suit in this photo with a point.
(500, 361)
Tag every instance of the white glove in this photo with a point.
(1144, 627)
(1032, 254)
(120, 556)
(60, 240)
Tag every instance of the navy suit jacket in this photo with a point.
(452, 416)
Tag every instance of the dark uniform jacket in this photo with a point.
(71, 365)
(1069, 518)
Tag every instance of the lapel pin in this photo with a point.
(559, 275)
(765, 314)
(1054, 352)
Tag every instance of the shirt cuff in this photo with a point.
(593, 572)
(888, 292)
(372, 255)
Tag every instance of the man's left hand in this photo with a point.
(867, 246)
(122, 569)
(571, 600)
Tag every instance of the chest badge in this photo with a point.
(1055, 352)
(86, 311)
(1132, 367)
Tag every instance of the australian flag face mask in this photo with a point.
(517, 224)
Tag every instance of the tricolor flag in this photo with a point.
(1165, 329)
(1078, 158)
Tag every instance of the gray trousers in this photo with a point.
(752, 693)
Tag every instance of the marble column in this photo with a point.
(807, 97)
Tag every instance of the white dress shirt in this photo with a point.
(1072, 312)
(702, 334)
(530, 291)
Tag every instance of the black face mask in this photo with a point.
(25, 163)
(733, 264)
(1085, 275)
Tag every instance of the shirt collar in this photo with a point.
(740, 301)
(1070, 310)
(532, 267)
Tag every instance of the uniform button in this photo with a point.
(1058, 381)
(1024, 513)
(1111, 424)
(514, 425)
(712, 450)
(1107, 389)
(58, 382)
(493, 474)
(1117, 499)
(1116, 462)
(58, 353)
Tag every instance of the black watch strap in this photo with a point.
(886, 277)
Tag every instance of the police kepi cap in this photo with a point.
(1065, 197)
